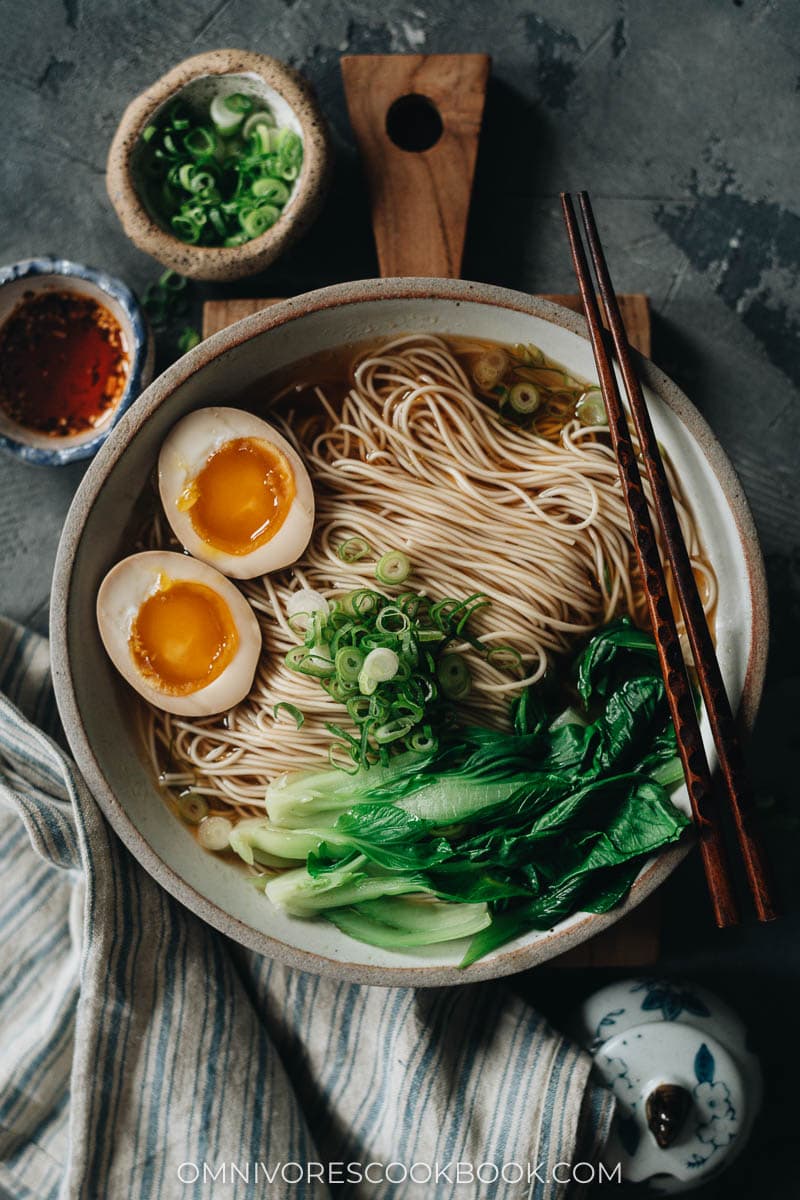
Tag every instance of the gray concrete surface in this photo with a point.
(681, 117)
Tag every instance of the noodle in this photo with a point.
(415, 460)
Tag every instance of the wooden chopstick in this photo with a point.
(676, 681)
(723, 726)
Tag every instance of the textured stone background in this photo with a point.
(681, 117)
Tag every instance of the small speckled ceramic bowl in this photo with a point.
(35, 275)
(197, 81)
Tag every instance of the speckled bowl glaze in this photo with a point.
(35, 275)
(197, 80)
(95, 706)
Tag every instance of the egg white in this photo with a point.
(185, 452)
(121, 595)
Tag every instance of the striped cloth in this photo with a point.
(144, 1055)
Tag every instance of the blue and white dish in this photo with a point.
(652, 1035)
(34, 275)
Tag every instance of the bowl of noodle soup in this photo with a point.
(375, 384)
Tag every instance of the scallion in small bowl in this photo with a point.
(220, 174)
(219, 166)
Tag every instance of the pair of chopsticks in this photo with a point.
(703, 796)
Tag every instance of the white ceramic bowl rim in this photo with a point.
(141, 354)
(223, 343)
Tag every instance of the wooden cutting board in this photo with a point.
(417, 120)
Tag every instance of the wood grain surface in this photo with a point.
(435, 183)
(634, 941)
(219, 314)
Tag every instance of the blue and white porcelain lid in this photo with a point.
(687, 1086)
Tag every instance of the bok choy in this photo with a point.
(490, 833)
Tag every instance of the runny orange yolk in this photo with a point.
(182, 637)
(241, 497)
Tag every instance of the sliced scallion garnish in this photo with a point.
(591, 408)
(188, 339)
(293, 711)
(353, 549)
(454, 676)
(524, 398)
(222, 177)
(394, 567)
(192, 807)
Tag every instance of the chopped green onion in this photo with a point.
(203, 182)
(354, 549)
(361, 602)
(359, 708)
(224, 178)
(292, 710)
(255, 221)
(188, 340)
(184, 175)
(454, 676)
(340, 689)
(271, 191)
(192, 807)
(591, 408)
(213, 833)
(489, 369)
(216, 219)
(381, 664)
(394, 567)
(391, 731)
(380, 658)
(261, 140)
(422, 740)
(505, 658)
(226, 120)
(228, 112)
(367, 684)
(341, 759)
(295, 657)
(301, 607)
(392, 620)
(263, 117)
(171, 281)
(187, 230)
(349, 663)
(317, 662)
(201, 142)
(524, 398)
(166, 298)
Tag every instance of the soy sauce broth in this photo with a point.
(493, 369)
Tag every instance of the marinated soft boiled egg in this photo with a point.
(180, 633)
(235, 492)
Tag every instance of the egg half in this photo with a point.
(180, 633)
(235, 492)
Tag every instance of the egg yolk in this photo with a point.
(182, 637)
(241, 497)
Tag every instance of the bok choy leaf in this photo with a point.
(501, 832)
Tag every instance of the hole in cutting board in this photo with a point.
(414, 123)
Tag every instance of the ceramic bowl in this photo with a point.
(95, 706)
(197, 81)
(36, 275)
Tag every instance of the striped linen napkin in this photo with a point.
(145, 1055)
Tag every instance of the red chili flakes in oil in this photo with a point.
(63, 363)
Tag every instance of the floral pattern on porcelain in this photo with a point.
(654, 999)
(649, 1031)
